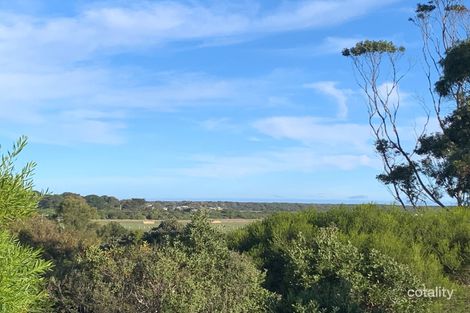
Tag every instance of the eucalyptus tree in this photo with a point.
(435, 164)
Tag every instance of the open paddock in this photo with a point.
(145, 225)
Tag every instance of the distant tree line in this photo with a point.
(110, 207)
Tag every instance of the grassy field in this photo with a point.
(144, 225)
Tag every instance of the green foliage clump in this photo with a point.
(371, 47)
(75, 212)
(446, 154)
(168, 230)
(335, 276)
(58, 244)
(455, 67)
(21, 268)
(430, 246)
(102, 202)
(17, 197)
(112, 232)
(194, 273)
(21, 280)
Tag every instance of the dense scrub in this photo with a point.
(363, 259)
(388, 250)
(169, 269)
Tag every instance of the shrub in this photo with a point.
(21, 269)
(432, 244)
(334, 275)
(21, 280)
(194, 273)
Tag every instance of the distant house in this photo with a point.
(183, 208)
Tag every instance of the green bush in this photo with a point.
(58, 244)
(17, 197)
(432, 244)
(21, 279)
(74, 212)
(21, 268)
(335, 276)
(194, 273)
(168, 230)
(112, 232)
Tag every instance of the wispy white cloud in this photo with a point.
(312, 131)
(340, 95)
(33, 100)
(392, 94)
(145, 24)
(313, 14)
(300, 160)
(336, 44)
(49, 77)
(108, 88)
(87, 106)
(329, 45)
(67, 127)
(218, 124)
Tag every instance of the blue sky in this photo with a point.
(245, 100)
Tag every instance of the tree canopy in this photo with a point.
(437, 164)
